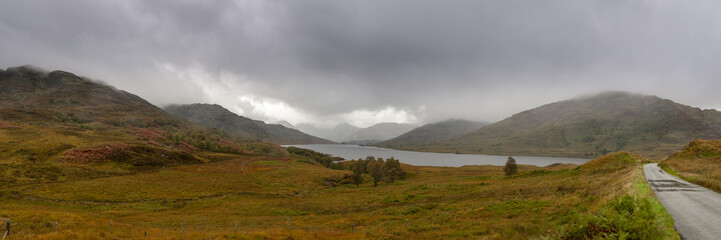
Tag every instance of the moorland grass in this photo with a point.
(699, 162)
(280, 198)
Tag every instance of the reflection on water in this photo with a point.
(433, 159)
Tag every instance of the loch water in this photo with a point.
(350, 152)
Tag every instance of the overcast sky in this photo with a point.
(368, 61)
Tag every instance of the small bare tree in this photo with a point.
(511, 167)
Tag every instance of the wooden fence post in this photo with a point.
(406, 226)
(111, 225)
(56, 226)
(7, 227)
(236, 226)
(181, 228)
(289, 222)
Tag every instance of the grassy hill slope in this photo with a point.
(431, 134)
(215, 116)
(56, 126)
(699, 162)
(591, 126)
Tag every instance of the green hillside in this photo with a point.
(432, 133)
(215, 116)
(591, 126)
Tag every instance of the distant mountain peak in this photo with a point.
(590, 126)
(285, 124)
(380, 132)
(431, 133)
(27, 69)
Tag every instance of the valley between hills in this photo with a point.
(83, 160)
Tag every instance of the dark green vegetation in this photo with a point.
(215, 116)
(511, 167)
(379, 170)
(699, 162)
(431, 134)
(626, 217)
(310, 156)
(592, 126)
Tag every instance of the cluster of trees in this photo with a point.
(211, 142)
(379, 170)
(320, 158)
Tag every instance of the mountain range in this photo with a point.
(70, 107)
(591, 126)
(339, 133)
(55, 120)
(350, 134)
(430, 134)
(215, 116)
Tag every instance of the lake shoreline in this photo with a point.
(352, 152)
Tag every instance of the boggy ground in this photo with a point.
(281, 198)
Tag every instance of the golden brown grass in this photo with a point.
(699, 162)
(262, 194)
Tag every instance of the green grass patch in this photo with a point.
(514, 208)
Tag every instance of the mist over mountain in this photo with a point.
(591, 126)
(431, 133)
(30, 93)
(60, 118)
(349, 134)
(285, 124)
(339, 133)
(215, 116)
(379, 132)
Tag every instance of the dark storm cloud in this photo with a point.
(417, 60)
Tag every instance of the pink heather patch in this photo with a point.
(4, 125)
(150, 134)
(186, 147)
(106, 152)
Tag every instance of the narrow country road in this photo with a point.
(696, 210)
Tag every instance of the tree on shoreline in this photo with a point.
(511, 167)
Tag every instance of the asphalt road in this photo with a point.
(696, 210)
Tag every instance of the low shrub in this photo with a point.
(626, 217)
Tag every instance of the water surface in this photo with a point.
(350, 152)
